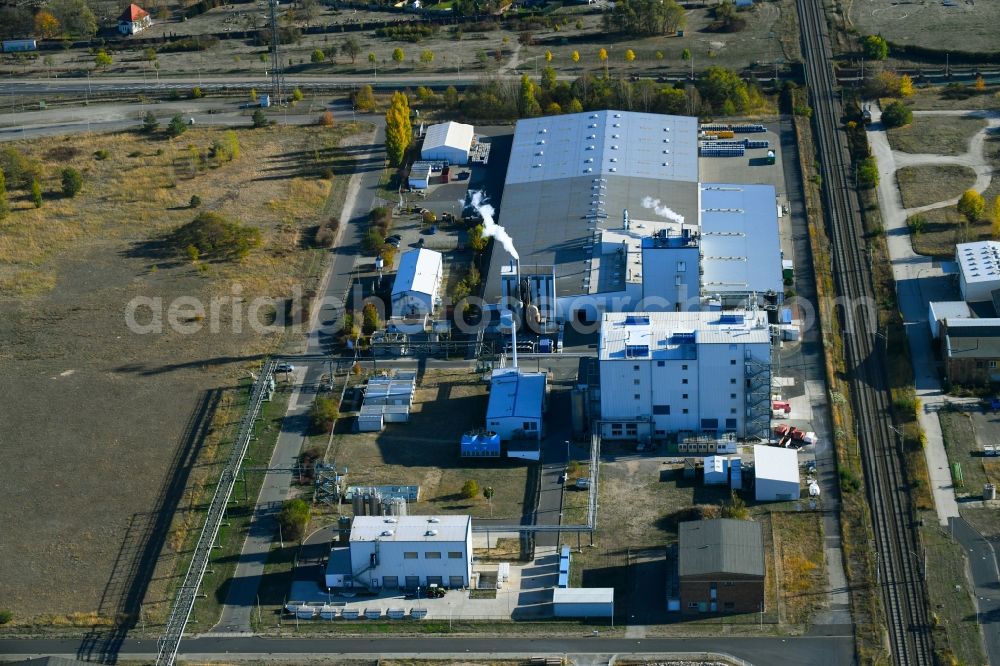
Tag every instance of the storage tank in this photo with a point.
(358, 504)
(397, 506)
(374, 505)
(989, 491)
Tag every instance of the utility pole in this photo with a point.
(276, 78)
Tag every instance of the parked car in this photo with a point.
(393, 242)
(285, 367)
(582, 483)
(463, 176)
(434, 591)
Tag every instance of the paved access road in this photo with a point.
(801, 651)
(985, 576)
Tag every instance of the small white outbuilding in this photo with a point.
(449, 142)
(939, 311)
(979, 269)
(418, 283)
(776, 471)
(716, 470)
(583, 602)
(517, 400)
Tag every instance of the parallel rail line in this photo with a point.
(896, 541)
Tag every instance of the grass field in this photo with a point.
(961, 26)
(425, 452)
(966, 97)
(116, 411)
(798, 540)
(922, 185)
(940, 135)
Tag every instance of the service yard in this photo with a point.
(101, 415)
(425, 452)
(642, 498)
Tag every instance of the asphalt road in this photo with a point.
(801, 651)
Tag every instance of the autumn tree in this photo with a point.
(427, 56)
(398, 129)
(102, 58)
(364, 98)
(548, 56)
(478, 242)
(397, 55)
(46, 25)
(980, 83)
(629, 55)
(527, 104)
(575, 56)
(971, 205)
(75, 17)
(905, 85)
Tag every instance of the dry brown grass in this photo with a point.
(928, 184)
(143, 189)
(798, 539)
(941, 135)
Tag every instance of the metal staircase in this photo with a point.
(188, 591)
(757, 397)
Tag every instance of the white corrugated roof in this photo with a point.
(979, 261)
(410, 528)
(775, 463)
(624, 143)
(583, 595)
(675, 334)
(514, 393)
(450, 134)
(739, 239)
(418, 271)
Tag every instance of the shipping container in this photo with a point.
(19, 45)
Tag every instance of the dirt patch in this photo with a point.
(425, 452)
(939, 135)
(104, 415)
(928, 184)
(934, 25)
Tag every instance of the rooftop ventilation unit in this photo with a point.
(387, 533)
(431, 533)
(433, 520)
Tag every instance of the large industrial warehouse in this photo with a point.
(607, 214)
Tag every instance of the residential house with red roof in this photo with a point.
(134, 19)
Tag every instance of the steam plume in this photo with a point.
(662, 211)
(490, 228)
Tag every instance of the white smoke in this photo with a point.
(490, 228)
(662, 211)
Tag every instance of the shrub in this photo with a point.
(19, 169)
(373, 241)
(5, 616)
(195, 201)
(198, 43)
(326, 119)
(4, 205)
(293, 518)
(259, 119)
(867, 173)
(322, 412)
(72, 182)
(896, 114)
(101, 154)
(317, 56)
(849, 481)
(297, 95)
(327, 233)
(36, 193)
(216, 237)
(875, 47)
(370, 321)
(197, 93)
(471, 489)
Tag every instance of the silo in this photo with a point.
(397, 506)
(358, 504)
(374, 505)
(989, 491)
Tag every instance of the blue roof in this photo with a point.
(563, 580)
(514, 393)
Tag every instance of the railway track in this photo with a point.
(893, 518)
